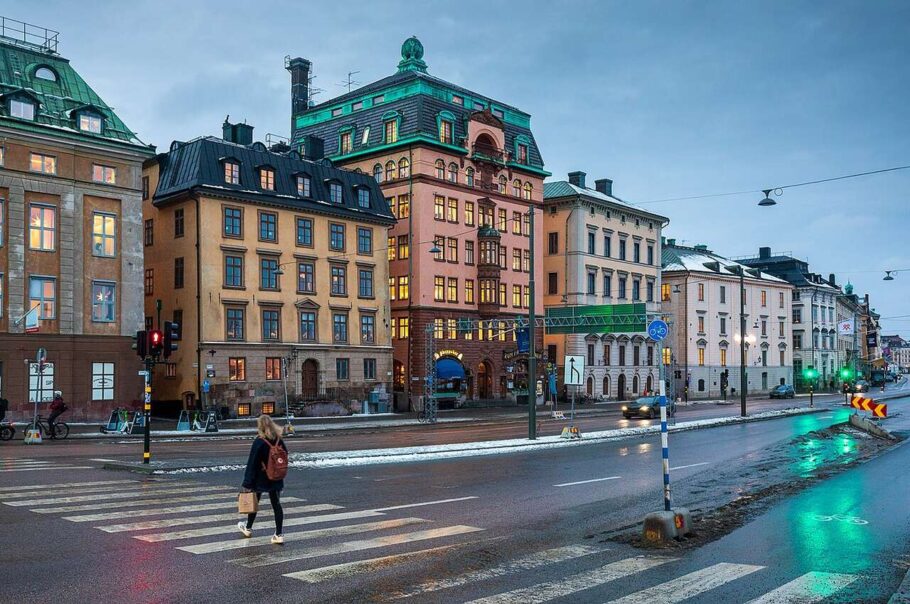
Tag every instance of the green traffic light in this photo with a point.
(846, 373)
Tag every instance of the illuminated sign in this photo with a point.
(447, 353)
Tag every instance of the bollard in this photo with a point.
(659, 528)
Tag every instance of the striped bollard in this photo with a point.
(664, 443)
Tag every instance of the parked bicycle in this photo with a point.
(61, 430)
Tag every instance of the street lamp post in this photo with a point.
(742, 343)
(532, 347)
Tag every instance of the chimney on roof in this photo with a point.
(832, 279)
(313, 148)
(764, 252)
(577, 179)
(701, 247)
(671, 241)
(300, 86)
(242, 134)
(604, 185)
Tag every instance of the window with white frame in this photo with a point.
(104, 241)
(90, 123)
(22, 109)
(103, 301)
(42, 293)
(40, 382)
(42, 227)
(104, 174)
(102, 381)
(45, 164)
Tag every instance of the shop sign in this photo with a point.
(447, 353)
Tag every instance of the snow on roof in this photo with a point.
(679, 258)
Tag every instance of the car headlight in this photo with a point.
(624, 408)
(644, 408)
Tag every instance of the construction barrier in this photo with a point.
(867, 404)
(33, 436)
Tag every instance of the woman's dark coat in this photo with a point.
(255, 478)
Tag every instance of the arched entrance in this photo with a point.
(589, 386)
(606, 386)
(649, 386)
(398, 376)
(635, 386)
(450, 379)
(484, 380)
(621, 387)
(309, 386)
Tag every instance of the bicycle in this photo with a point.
(61, 430)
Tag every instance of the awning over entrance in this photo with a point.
(449, 369)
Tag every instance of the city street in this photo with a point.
(454, 530)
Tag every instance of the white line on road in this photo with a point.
(50, 468)
(171, 490)
(101, 491)
(811, 587)
(353, 546)
(32, 487)
(572, 484)
(691, 585)
(544, 592)
(691, 465)
(211, 503)
(535, 560)
(423, 503)
(157, 524)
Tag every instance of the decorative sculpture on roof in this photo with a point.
(412, 56)
(848, 289)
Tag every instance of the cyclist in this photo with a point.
(57, 409)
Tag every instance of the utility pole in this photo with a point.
(742, 343)
(532, 347)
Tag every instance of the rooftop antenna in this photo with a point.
(350, 82)
(312, 91)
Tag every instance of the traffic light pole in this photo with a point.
(147, 410)
(532, 344)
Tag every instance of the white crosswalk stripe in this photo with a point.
(168, 509)
(100, 491)
(47, 468)
(32, 487)
(690, 585)
(536, 560)
(28, 465)
(170, 490)
(810, 587)
(544, 592)
(157, 524)
(133, 503)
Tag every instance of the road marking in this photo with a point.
(19, 463)
(222, 530)
(691, 585)
(180, 509)
(157, 524)
(691, 465)
(572, 484)
(170, 490)
(49, 468)
(101, 459)
(423, 503)
(353, 546)
(348, 569)
(100, 491)
(811, 587)
(31, 487)
(349, 529)
(544, 592)
(535, 560)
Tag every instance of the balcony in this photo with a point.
(485, 152)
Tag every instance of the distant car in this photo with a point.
(647, 406)
(861, 386)
(783, 391)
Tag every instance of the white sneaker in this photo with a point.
(277, 540)
(245, 531)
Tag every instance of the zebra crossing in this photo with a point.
(37, 465)
(325, 544)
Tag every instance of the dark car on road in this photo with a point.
(647, 406)
(861, 386)
(783, 391)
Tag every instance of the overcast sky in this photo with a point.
(669, 99)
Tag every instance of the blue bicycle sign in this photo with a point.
(657, 329)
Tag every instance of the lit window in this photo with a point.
(445, 132)
(391, 131)
(516, 188)
(46, 73)
(105, 174)
(103, 302)
(522, 154)
(303, 186)
(335, 193)
(346, 144)
(104, 235)
(46, 164)
(42, 294)
(272, 373)
(390, 170)
(244, 409)
(231, 173)
(452, 210)
(237, 370)
(90, 123)
(22, 109)
(526, 191)
(102, 381)
(267, 179)
(42, 228)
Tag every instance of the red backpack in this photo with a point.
(276, 466)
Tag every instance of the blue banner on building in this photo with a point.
(524, 340)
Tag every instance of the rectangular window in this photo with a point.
(149, 281)
(103, 302)
(307, 326)
(367, 329)
(469, 252)
(723, 357)
(503, 295)
(452, 289)
(268, 273)
(439, 327)
(445, 132)
(636, 355)
(104, 174)
(342, 367)
(608, 286)
(439, 243)
(90, 123)
(452, 210)
(364, 241)
(439, 210)
(780, 302)
(336, 237)
(390, 248)
(40, 383)
(665, 292)
(636, 252)
(267, 179)
(622, 249)
(452, 329)
(469, 213)
(231, 173)
(701, 292)
(516, 259)
(591, 280)
(701, 357)
(469, 291)
(1, 295)
(346, 144)
(303, 185)
(42, 228)
(335, 195)
(552, 243)
(369, 369)
(439, 286)
(339, 281)
(764, 298)
(102, 381)
(271, 325)
(608, 248)
(650, 295)
(403, 288)
(650, 254)
(723, 294)
(305, 232)
(404, 328)
(403, 247)
(723, 326)
(272, 370)
(392, 297)
(22, 109)
(149, 230)
(782, 332)
(178, 223)
(104, 242)
(306, 278)
(42, 293)
(237, 369)
(636, 289)
(522, 154)
(516, 296)
(503, 220)
(233, 271)
(233, 222)
(621, 293)
(764, 327)
(268, 226)
(701, 324)
(391, 132)
(45, 164)
(404, 206)
(340, 328)
(452, 249)
(178, 273)
(526, 261)
(363, 197)
(365, 283)
(590, 243)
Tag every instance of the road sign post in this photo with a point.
(573, 373)
(658, 330)
(147, 411)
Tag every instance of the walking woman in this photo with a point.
(265, 471)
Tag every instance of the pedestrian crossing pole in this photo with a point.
(147, 411)
(664, 442)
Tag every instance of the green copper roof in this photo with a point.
(60, 100)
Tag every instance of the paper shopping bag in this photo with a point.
(247, 503)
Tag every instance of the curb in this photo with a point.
(902, 595)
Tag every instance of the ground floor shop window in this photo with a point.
(268, 408)
(40, 382)
(243, 409)
(102, 381)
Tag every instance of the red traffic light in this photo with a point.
(156, 337)
(156, 343)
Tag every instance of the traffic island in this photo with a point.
(867, 425)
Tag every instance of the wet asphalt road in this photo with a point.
(490, 513)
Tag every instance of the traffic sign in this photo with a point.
(657, 329)
(574, 367)
(41, 356)
(867, 404)
(205, 386)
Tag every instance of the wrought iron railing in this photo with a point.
(29, 35)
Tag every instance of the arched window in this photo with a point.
(635, 385)
(404, 168)
(46, 73)
(516, 188)
(377, 172)
(503, 181)
(606, 386)
(440, 169)
(589, 386)
(453, 172)
(701, 385)
(390, 170)
(527, 190)
(469, 176)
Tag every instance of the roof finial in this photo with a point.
(412, 56)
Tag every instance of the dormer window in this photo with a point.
(365, 138)
(345, 144)
(303, 186)
(363, 197)
(391, 131)
(24, 110)
(232, 173)
(267, 179)
(335, 193)
(46, 73)
(445, 132)
(457, 99)
(522, 154)
(90, 123)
